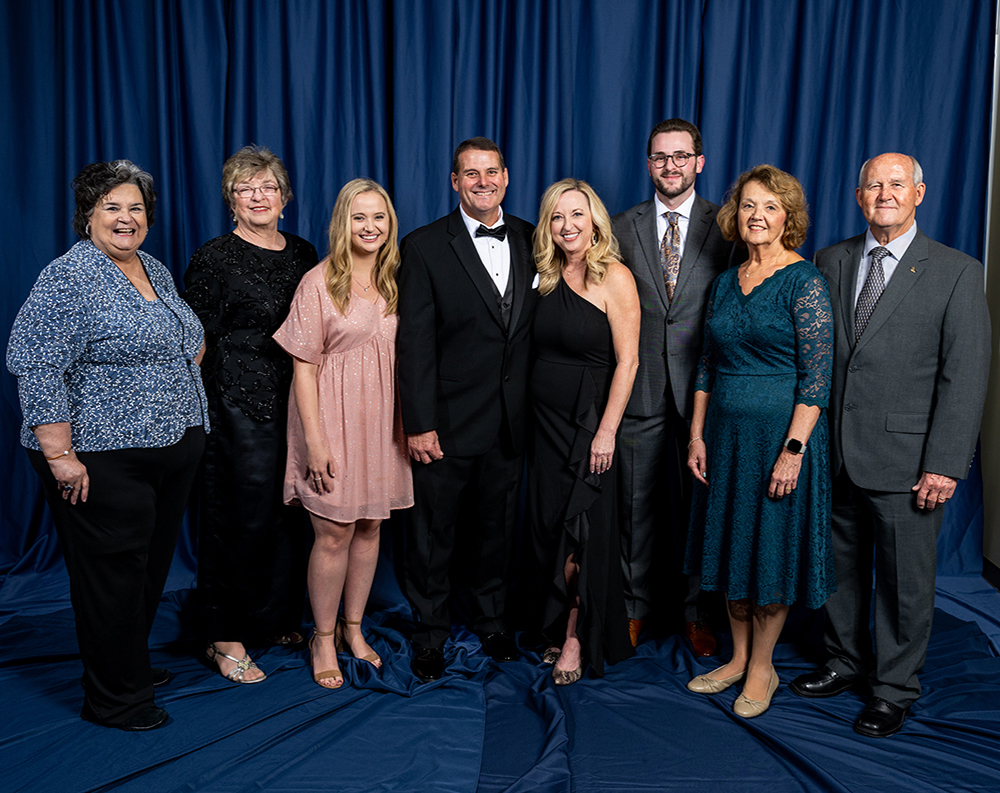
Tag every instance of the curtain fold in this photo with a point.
(386, 88)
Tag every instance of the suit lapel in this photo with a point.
(698, 227)
(521, 270)
(849, 264)
(468, 256)
(645, 231)
(904, 278)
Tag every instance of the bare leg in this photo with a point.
(570, 659)
(236, 650)
(363, 559)
(328, 564)
(768, 621)
(742, 628)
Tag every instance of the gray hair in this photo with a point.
(918, 172)
(98, 179)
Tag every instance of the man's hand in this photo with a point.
(424, 446)
(933, 489)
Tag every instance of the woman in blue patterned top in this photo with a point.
(107, 357)
(760, 523)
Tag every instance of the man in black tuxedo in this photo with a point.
(465, 308)
(911, 360)
(674, 248)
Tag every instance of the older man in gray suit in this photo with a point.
(911, 359)
(675, 249)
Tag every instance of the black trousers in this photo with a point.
(443, 492)
(252, 549)
(118, 547)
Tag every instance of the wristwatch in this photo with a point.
(794, 446)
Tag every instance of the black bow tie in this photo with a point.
(499, 232)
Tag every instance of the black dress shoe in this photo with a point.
(821, 683)
(880, 719)
(499, 646)
(148, 719)
(160, 676)
(428, 664)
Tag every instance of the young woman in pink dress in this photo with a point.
(347, 462)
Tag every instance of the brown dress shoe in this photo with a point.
(634, 629)
(701, 637)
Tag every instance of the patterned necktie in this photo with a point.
(670, 254)
(870, 292)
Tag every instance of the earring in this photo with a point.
(88, 230)
(234, 217)
(594, 240)
(282, 215)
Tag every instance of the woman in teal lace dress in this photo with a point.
(760, 525)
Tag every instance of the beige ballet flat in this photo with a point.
(703, 684)
(749, 708)
(327, 674)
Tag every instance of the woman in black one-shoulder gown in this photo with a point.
(586, 346)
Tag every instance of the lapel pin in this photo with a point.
(913, 269)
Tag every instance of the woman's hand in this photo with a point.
(71, 477)
(319, 465)
(785, 475)
(698, 460)
(602, 449)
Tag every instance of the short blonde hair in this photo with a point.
(339, 267)
(549, 259)
(246, 164)
(789, 192)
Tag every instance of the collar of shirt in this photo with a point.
(494, 254)
(897, 248)
(684, 210)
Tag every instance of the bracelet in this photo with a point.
(61, 454)
(699, 438)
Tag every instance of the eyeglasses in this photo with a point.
(247, 191)
(680, 158)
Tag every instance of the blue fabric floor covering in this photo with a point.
(489, 727)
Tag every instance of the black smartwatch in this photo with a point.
(794, 446)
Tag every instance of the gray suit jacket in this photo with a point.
(670, 335)
(908, 398)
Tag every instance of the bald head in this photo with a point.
(889, 191)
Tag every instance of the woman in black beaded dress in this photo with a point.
(252, 549)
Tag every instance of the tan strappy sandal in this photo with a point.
(329, 673)
(342, 645)
(242, 665)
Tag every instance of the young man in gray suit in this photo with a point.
(911, 359)
(674, 248)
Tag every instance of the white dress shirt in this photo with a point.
(684, 210)
(494, 254)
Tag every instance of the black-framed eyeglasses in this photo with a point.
(680, 158)
(247, 191)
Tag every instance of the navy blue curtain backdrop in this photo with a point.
(386, 88)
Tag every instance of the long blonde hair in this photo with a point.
(549, 259)
(340, 265)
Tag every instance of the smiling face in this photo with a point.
(572, 225)
(761, 215)
(887, 196)
(480, 183)
(369, 224)
(118, 223)
(258, 212)
(674, 184)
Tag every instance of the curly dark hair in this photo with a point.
(98, 179)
